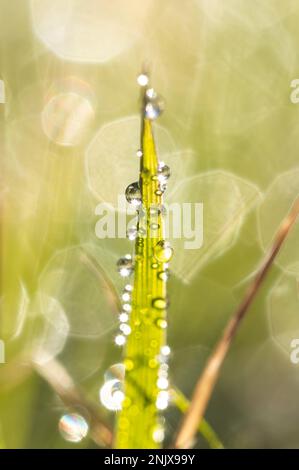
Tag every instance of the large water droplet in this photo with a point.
(73, 427)
(163, 172)
(133, 194)
(125, 265)
(116, 371)
(112, 395)
(163, 251)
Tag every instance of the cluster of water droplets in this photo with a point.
(124, 327)
(162, 399)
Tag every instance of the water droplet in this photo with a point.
(158, 433)
(165, 350)
(161, 323)
(163, 370)
(163, 251)
(128, 288)
(111, 395)
(151, 94)
(159, 303)
(125, 266)
(163, 172)
(127, 308)
(155, 211)
(158, 192)
(154, 107)
(155, 265)
(120, 340)
(73, 427)
(162, 383)
(125, 328)
(132, 233)
(163, 187)
(123, 317)
(139, 153)
(154, 226)
(163, 275)
(126, 297)
(142, 234)
(162, 400)
(133, 194)
(142, 79)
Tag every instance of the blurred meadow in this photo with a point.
(69, 131)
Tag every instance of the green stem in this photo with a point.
(205, 429)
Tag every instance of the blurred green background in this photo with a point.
(68, 138)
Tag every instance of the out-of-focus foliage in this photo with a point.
(68, 137)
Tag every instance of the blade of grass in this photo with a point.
(139, 416)
(207, 381)
(204, 428)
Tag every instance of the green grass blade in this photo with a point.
(138, 421)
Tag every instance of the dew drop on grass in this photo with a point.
(127, 308)
(139, 153)
(112, 395)
(161, 323)
(165, 350)
(73, 427)
(163, 172)
(132, 233)
(162, 400)
(133, 194)
(163, 251)
(126, 296)
(159, 303)
(163, 275)
(162, 383)
(125, 329)
(123, 317)
(125, 265)
(158, 433)
(120, 340)
(154, 106)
